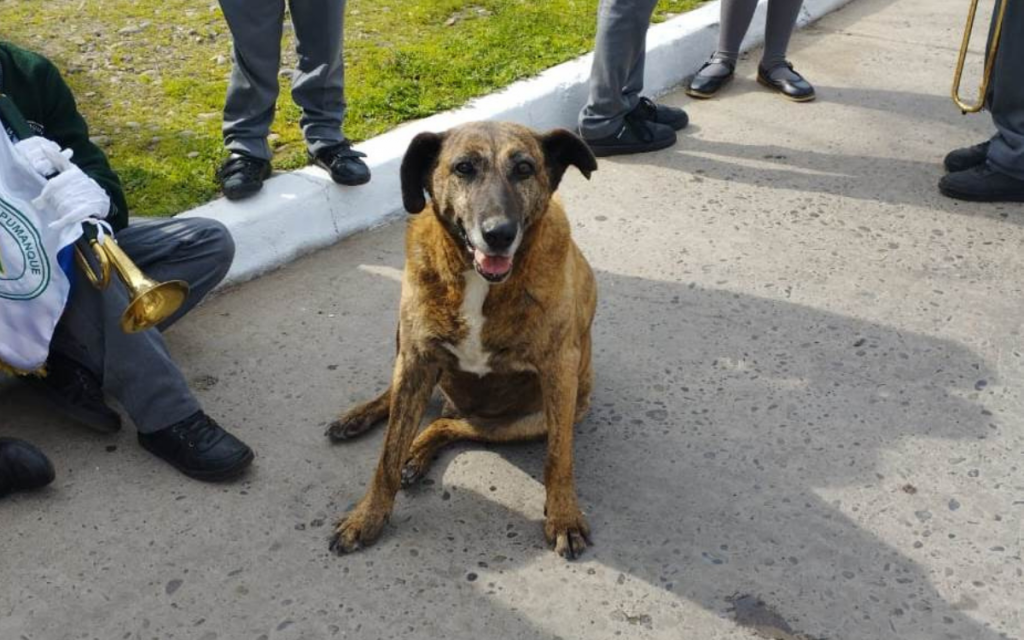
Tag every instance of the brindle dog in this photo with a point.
(496, 308)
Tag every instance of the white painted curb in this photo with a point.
(302, 211)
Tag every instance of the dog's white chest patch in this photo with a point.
(470, 351)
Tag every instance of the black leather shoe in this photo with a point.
(708, 86)
(635, 136)
(343, 163)
(22, 467)
(199, 448)
(966, 158)
(651, 111)
(76, 392)
(242, 176)
(798, 90)
(982, 184)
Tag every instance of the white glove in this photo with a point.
(71, 198)
(40, 154)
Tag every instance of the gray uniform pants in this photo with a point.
(1006, 95)
(136, 369)
(617, 76)
(318, 85)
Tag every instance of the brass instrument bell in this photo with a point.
(151, 303)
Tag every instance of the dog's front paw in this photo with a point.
(360, 528)
(569, 533)
(412, 471)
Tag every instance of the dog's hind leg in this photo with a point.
(445, 431)
(361, 418)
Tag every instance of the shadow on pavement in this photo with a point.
(717, 430)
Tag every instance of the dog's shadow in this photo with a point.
(719, 435)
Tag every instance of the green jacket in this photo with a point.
(44, 99)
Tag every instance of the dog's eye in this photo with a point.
(524, 169)
(465, 169)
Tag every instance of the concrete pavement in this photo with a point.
(808, 394)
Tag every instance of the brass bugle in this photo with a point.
(986, 77)
(151, 303)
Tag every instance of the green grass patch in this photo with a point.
(150, 75)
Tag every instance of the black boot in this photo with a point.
(23, 467)
(651, 111)
(242, 176)
(199, 448)
(635, 136)
(982, 184)
(966, 158)
(76, 392)
(343, 163)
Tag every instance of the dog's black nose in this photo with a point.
(499, 234)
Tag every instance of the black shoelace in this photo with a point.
(202, 431)
(248, 167)
(648, 108)
(341, 152)
(637, 124)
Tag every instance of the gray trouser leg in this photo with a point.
(781, 20)
(1006, 96)
(735, 18)
(256, 28)
(318, 86)
(136, 369)
(617, 76)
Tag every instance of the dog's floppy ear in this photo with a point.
(563, 148)
(416, 168)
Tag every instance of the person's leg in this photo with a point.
(779, 25)
(999, 176)
(318, 84)
(256, 29)
(197, 250)
(318, 87)
(136, 369)
(774, 71)
(718, 70)
(1006, 97)
(735, 21)
(616, 77)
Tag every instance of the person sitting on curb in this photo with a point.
(617, 120)
(774, 72)
(318, 87)
(90, 354)
(993, 171)
(23, 467)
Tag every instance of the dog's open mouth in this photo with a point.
(491, 267)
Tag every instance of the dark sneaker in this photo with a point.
(966, 158)
(22, 467)
(343, 163)
(791, 85)
(635, 136)
(706, 85)
(76, 392)
(199, 448)
(651, 111)
(982, 184)
(242, 176)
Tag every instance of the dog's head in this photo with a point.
(490, 182)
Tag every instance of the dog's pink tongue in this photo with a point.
(492, 265)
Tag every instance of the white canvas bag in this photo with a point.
(33, 286)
